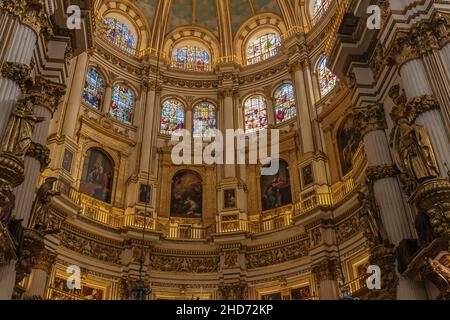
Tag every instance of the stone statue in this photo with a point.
(6, 211)
(414, 152)
(424, 228)
(371, 220)
(42, 202)
(17, 137)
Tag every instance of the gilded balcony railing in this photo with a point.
(356, 285)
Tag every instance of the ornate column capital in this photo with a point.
(45, 261)
(40, 153)
(19, 73)
(371, 118)
(381, 172)
(411, 109)
(423, 37)
(32, 13)
(47, 94)
(327, 269)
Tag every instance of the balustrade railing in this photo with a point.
(356, 285)
(110, 216)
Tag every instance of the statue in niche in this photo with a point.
(374, 229)
(41, 206)
(414, 152)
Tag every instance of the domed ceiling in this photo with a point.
(204, 13)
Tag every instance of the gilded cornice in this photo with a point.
(327, 269)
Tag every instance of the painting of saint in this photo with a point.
(276, 190)
(145, 192)
(349, 139)
(303, 293)
(97, 177)
(307, 174)
(67, 160)
(273, 296)
(187, 195)
(229, 199)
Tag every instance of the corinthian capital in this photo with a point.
(371, 118)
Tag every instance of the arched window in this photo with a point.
(255, 114)
(191, 58)
(263, 47)
(327, 79)
(172, 117)
(120, 35)
(285, 108)
(94, 88)
(319, 9)
(97, 176)
(204, 119)
(122, 104)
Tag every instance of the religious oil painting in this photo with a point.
(60, 291)
(187, 195)
(97, 177)
(349, 139)
(67, 161)
(276, 189)
(145, 192)
(230, 199)
(303, 293)
(273, 296)
(307, 175)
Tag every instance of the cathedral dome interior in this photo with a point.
(137, 138)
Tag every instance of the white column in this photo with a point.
(20, 52)
(75, 93)
(7, 280)
(228, 114)
(304, 119)
(416, 84)
(148, 130)
(38, 283)
(328, 290)
(25, 193)
(107, 100)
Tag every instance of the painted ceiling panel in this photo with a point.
(148, 8)
(180, 14)
(240, 11)
(206, 15)
(266, 6)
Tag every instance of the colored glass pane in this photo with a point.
(255, 114)
(285, 108)
(94, 89)
(172, 117)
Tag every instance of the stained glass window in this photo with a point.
(122, 104)
(320, 8)
(191, 58)
(285, 108)
(120, 35)
(327, 79)
(94, 88)
(172, 117)
(204, 119)
(255, 114)
(263, 48)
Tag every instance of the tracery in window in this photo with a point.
(122, 104)
(255, 113)
(172, 116)
(120, 35)
(263, 48)
(94, 88)
(204, 119)
(327, 79)
(191, 58)
(285, 107)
